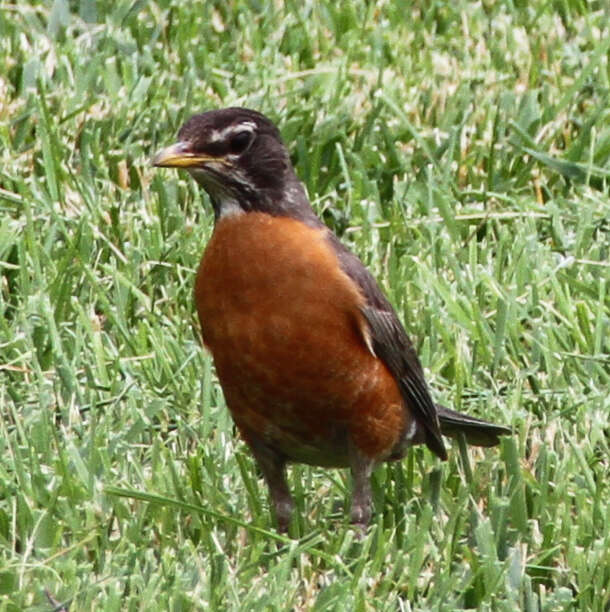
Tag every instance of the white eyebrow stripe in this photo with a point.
(244, 126)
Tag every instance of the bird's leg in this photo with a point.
(273, 467)
(361, 468)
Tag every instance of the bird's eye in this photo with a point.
(239, 142)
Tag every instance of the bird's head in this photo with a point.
(238, 157)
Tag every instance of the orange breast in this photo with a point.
(284, 326)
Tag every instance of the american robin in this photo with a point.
(313, 361)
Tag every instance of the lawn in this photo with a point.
(461, 149)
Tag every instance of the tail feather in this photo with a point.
(476, 431)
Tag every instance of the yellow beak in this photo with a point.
(178, 155)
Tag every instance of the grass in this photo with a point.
(460, 148)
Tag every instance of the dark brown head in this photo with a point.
(238, 157)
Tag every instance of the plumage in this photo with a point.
(312, 358)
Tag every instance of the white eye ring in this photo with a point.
(240, 141)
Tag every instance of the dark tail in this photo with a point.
(476, 431)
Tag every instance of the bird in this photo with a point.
(314, 363)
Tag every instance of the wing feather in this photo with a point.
(392, 345)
